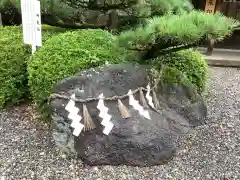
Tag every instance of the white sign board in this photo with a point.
(31, 22)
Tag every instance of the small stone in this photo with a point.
(63, 156)
(95, 168)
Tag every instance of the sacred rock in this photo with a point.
(137, 139)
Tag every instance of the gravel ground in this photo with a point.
(209, 152)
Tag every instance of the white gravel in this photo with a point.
(209, 152)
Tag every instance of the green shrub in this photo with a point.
(190, 63)
(63, 55)
(13, 57)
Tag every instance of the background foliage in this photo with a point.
(78, 14)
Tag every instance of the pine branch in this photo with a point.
(169, 31)
(161, 52)
(55, 21)
(77, 26)
(95, 5)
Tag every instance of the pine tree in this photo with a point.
(173, 32)
(173, 25)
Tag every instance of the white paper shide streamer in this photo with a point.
(149, 97)
(73, 115)
(135, 104)
(104, 115)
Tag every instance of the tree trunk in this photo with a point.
(1, 19)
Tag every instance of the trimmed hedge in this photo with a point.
(64, 55)
(190, 63)
(13, 57)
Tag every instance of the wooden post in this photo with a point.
(210, 8)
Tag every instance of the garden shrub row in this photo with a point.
(13, 62)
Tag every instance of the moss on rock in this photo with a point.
(190, 62)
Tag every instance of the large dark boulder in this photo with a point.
(135, 140)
